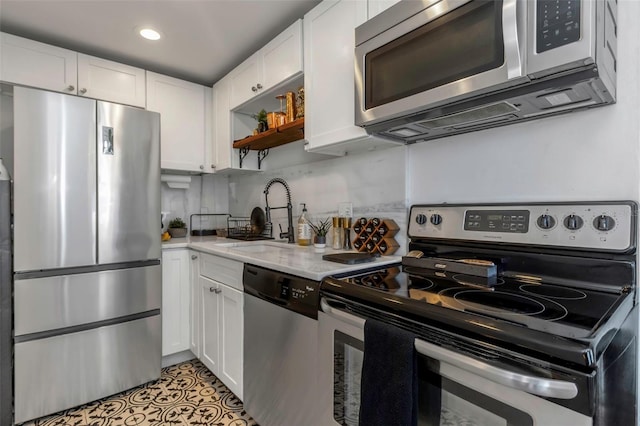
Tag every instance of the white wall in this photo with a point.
(206, 194)
(585, 155)
(373, 182)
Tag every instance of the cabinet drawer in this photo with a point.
(222, 270)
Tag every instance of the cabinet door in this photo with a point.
(111, 81)
(175, 301)
(222, 144)
(195, 306)
(329, 44)
(30, 63)
(231, 329)
(244, 81)
(282, 57)
(210, 307)
(182, 108)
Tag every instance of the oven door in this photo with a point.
(452, 388)
(412, 57)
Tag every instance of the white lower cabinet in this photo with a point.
(195, 336)
(221, 319)
(175, 301)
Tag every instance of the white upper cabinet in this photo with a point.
(329, 44)
(31, 63)
(275, 63)
(182, 106)
(111, 81)
(377, 6)
(222, 145)
(40, 65)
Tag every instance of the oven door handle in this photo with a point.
(550, 388)
(340, 315)
(541, 386)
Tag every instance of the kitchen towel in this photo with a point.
(389, 385)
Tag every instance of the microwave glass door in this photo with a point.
(458, 44)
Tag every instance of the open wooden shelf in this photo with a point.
(287, 133)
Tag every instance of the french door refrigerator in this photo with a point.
(87, 275)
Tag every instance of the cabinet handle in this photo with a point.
(217, 291)
(254, 89)
(259, 86)
(83, 90)
(213, 166)
(71, 88)
(194, 257)
(201, 167)
(212, 289)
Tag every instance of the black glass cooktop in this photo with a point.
(525, 301)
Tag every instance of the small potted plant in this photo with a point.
(321, 228)
(177, 228)
(261, 117)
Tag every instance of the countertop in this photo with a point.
(302, 261)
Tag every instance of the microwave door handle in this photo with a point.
(550, 388)
(512, 57)
(341, 315)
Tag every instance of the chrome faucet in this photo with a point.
(289, 235)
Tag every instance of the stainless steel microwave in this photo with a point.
(430, 68)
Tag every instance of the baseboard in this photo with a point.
(177, 358)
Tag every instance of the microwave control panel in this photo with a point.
(557, 23)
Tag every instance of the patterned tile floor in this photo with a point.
(186, 394)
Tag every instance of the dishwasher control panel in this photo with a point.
(296, 294)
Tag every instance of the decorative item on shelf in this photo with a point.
(261, 118)
(320, 228)
(177, 228)
(300, 103)
(375, 235)
(291, 107)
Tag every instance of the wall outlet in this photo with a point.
(345, 209)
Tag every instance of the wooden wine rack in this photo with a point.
(375, 235)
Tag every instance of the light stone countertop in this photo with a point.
(278, 255)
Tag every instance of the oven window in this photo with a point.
(459, 44)
(347, 372)
(441, 401)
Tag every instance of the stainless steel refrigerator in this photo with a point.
(86, 253)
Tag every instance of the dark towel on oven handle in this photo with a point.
(389, 384)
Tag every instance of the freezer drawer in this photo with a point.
(65, 371)
(56, 302)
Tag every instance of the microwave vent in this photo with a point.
(470, 116)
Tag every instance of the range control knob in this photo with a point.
(436, 219)
(421, 219)
(604, 223)
(573, 222)
(546, 221)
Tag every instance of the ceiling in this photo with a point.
(202, 40)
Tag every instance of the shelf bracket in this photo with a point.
(262, 154)
(243, 153)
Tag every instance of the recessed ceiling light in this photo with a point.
(150, 34)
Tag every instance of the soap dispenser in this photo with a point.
(304, 230)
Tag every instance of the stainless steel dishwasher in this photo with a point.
(280, 347)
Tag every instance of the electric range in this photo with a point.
(552, 284)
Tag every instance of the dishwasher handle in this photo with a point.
(541, 386)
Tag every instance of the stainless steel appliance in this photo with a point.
(549, 339)
(280, 347)
(6, 317)
(430, 68)
(86, 253)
